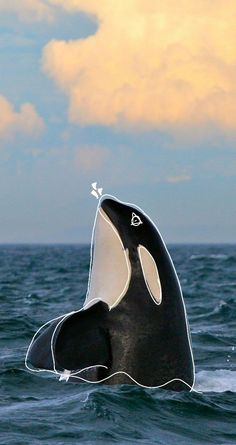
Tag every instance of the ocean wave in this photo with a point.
(223, 312)
(224, 284)
(220, 380)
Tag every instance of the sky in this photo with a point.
(137, 96)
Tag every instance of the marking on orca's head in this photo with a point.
(135, 220)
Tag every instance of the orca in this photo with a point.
(132, 328)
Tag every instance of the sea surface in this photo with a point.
(38, 283)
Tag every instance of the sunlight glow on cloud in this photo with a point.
(25, 121)
(150, 64)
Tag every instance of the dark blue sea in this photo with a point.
(38, 283)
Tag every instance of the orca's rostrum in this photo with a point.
(133, 326)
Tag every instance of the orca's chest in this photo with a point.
(133, 329)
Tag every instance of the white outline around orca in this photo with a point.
(63, 317)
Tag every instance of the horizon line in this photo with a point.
(87, 243)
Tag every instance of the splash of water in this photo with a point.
(220, 380)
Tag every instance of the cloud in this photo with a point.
(150, 64)
(91, 158)
(29, 10)
(180, 178)
(25, 121)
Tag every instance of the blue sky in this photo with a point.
(183, 176)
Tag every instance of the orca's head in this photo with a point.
(125, 243)
(132, 225)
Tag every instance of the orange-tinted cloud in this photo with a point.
(29, 10)
(26, 120)
(180, 178)
(91, 158)
(150, 64)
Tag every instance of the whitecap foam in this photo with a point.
(220, 380)
(213, 256)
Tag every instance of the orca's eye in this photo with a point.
(135, 220)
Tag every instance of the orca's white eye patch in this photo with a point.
(135, 220)
(150, 274)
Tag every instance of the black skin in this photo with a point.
(147, 341)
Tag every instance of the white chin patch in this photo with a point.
(150, 273)
(110, 269)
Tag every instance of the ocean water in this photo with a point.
(38, 283)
